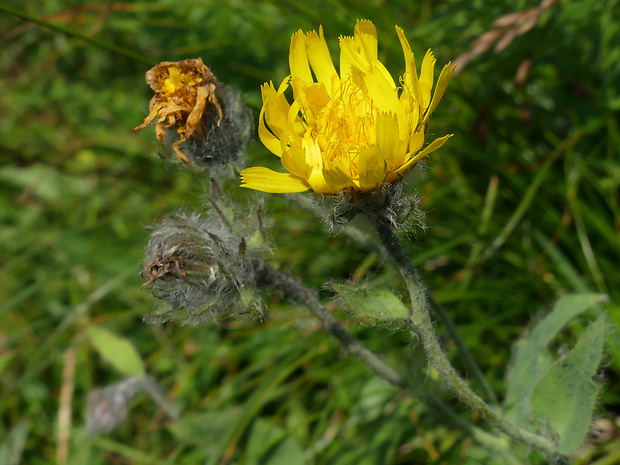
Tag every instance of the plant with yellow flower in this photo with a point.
(350, 131)
(355, 134)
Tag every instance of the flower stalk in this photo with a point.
(295, 290)
(421, 321)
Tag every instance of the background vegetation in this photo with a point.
(536, 141)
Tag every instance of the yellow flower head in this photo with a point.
(355, 131)
(182, 91)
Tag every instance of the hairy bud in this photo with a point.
(203, 267)
(389, 202)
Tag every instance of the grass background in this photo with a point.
(77, 188)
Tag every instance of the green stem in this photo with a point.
(308, 299)
(298, 292)
(422, 322)
(362, 238)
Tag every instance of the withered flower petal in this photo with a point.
(185, 93)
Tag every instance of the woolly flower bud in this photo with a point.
(199, 270)
(194, 108)
(389, 203)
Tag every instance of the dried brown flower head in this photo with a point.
(185, 92)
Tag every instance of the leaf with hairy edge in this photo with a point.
(117, 350)
(565, 396)
(379, 304)
(531, 358)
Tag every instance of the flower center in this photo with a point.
(345, 126)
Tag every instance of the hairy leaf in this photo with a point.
(531, 358)
(379, 304)
(564, 398)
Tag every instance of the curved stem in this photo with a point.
(422, 321)
(362, 238)
(307, 298)
(298, 292)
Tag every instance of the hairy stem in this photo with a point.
(293, 288)
(301, 294)
(365, 240)
(421, 320)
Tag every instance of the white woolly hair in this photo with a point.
(222, 266)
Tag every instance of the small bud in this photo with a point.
(196, 111)
(204, 267)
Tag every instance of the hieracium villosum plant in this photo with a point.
(351, 135)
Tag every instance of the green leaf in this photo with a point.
(531, 358)
(564, 398)
(287, 452)
(263, 436)
(117, 350)
(204, 428)
(379, 304)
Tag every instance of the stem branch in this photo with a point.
(298, 292)
(307, 298)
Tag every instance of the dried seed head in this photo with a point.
(194, 109)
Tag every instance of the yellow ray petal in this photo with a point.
(371, 167)
(385, 98)
(276, 108)
(263, 179)
(316, 95)
(312, 155)
(266, 136)
(437, 143)
(298, 58)
(411, 74)
(293, 132)
(336, 180)
(387, 137)
(416, 142)
(321, 61)
(294, 161)
(366, 34)
(426, 78)
(409, 60)
(442, 84)
(345, 62)
(354, 58)
(313, 158)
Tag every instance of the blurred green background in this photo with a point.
(536, 140)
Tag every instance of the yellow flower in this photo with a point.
(182, 91)
(355, 131)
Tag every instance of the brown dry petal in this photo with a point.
(162, 264)
(184, 92)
